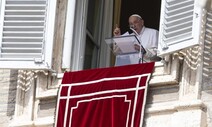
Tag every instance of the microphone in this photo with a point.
(132, 27)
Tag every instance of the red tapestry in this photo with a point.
(104, 97)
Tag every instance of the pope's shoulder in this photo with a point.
(150, 29)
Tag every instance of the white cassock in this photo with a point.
(149, 40)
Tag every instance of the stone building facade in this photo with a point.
(179, 93)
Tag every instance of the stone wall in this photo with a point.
(207, 70)
(8, 84)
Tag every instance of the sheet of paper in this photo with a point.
(126, 44)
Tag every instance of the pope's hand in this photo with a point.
(117, 31)
(137, 47)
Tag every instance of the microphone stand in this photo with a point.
(142, 50)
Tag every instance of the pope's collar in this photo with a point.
(142, 30)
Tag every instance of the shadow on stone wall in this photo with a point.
(12, 92)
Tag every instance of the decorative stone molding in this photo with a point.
(175, 106)
(176, 114)
(166, 73)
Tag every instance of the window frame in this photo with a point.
(75, 44)
(69, 34)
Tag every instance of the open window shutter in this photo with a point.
(26, 33)
(180, 25)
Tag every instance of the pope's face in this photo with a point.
(136, 23)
